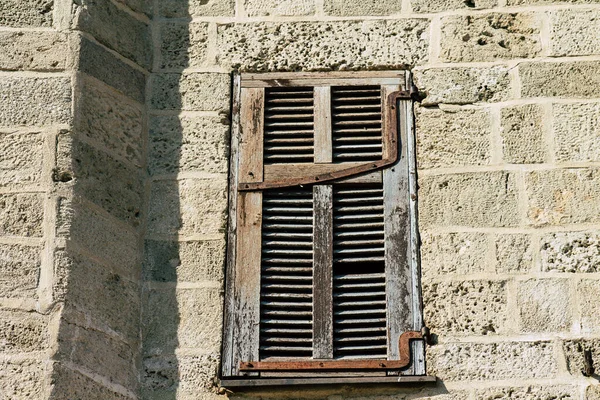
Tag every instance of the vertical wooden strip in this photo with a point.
(252, 127)
(323, 132)
(386, 119)
(323, 272)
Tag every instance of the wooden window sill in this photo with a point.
(264, 382)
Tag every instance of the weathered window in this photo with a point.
(322, 277)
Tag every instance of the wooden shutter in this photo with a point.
(322, 263)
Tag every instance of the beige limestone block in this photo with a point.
(465, 307)
(33, 51)
(142, 6)
(575, 32)
(577, 132)
(592, 392)
(70, 384)
(574, 353)
(19, 270)
(22, 332)
(578, 79)
(544, 392)
(453, 254)
(447, 138)
(544, 305)
(522, 134)
(183, 45)
(362, 7)
(589, 300)
(21, 214)
(427, 6)
(542, 2)
(26, 13)
(279, 7)
(191, 92)
(513, 253)
(318, 46)
(468, 199)
(563, 196)
(571, 252)
(489, 37)
(22, 157)
(463, 85)
(196, 8)
(492, 361)
(23, 379)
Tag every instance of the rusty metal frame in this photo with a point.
(389, 139)
(339, 365)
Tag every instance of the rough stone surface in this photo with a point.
(471, 199)
(452, 137)
(22, 379)
(489, 37)
(463, 85)
(427, 6)
(492, 361)
(184, 261)
(279, 7)
(362, 7)
(196, 8)
(545, 392)
(453, 253)
(577, 132)
(513, 253)
(522, 134)
(188, 144)
(21, 214)
(117, 30)
(592, 393)
(22, 157)
(183, 45)
(142, 6)
(70, 385)
(22, 332)
(579, 79)
(163, 376)
(544, 305)
(575, 32)
(26, 13)
(571, 252)
(112, 121)
(34, 101)
(574, 352)
(465, 307)
(347, 45)
(563, 196)
(185, 318)
(541, 2)
(191, 92)
(33, 51)
(188, 206)
(589, 299)
(19, 270)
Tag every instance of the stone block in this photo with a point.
(117, 30)
(577, 132)
(22, 157)
(165, 376)
(70, 385)
(19, 270)
(98, 353)
(188, 143)
(452, 137)
(197, 8)
(571, 252)
(103, 65)
(563, 196)
(191, 92)
(108, 183)
(545, 392)
(589, 299)
(544, 305)
(453, 253)
(34, 101)
(110, 120)
(22, 379)
(574, 32)
(490, 37)
(183, 45)
(463, 85)
(99, 291)
(574, 353)
(578, 79)
(26, 13)
(492, 361)
(542, 2)
(362, 7)
(184, 318)
(592, 392)
(279, 7)
(428, 6)
(100, 236)
(21, 214)
(188, 206)
(184, 261)
(22, 332)
(513, 253)
(469, 199)
(33, 51)
(522, 134)
(465, 307)
(318, 46)
(141, 6)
